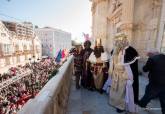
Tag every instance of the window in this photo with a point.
(3, 34)
(7, 48)
(7, 61)
(26, 57)
(18, 59)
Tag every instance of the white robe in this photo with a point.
(129, 98)
(104, 57)
(107, 85)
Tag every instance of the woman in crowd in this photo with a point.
(78, 64)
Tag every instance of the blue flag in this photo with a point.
(59, 56)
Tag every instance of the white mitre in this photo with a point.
(104, 57)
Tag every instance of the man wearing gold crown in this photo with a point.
(124, 74)
(99, 65)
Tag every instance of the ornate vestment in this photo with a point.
(99, 69)
(121, 92)
(119, 79)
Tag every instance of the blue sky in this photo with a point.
(70, 15)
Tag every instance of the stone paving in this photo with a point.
(86, 102)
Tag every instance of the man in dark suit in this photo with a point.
(156, 87)
(87, 78)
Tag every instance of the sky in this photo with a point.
(69, 15)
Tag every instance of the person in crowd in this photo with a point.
(99, 65)
(124, 57)
(86, 80)
(19, 92)
(78, 60)
(156, 87)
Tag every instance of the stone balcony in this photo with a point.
(59, 96)
(86, 102)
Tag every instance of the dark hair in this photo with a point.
(87, 42)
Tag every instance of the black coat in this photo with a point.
(156, 68)
(130, 55)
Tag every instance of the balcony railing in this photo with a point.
(18, 52)
(27, 51)
(38, 50)
(52, 99)
(6, 54)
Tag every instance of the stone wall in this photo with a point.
(99, 26)
(53, 98)
(139, 19)
(146, 23)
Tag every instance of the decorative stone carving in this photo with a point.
(115, 5)
(127, 26)
(95, 3)
(93, 7)
(98, 1)
(156, 3)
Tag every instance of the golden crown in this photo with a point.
(121, 36)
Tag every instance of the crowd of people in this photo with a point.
(117, 74)
(16, 94)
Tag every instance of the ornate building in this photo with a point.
(18, 43)
(142, 20)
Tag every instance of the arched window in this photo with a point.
(16, 48)
(24, 47)
(7, 61)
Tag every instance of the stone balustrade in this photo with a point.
(53, 98)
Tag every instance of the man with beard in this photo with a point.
(124, 75)
(87, 79)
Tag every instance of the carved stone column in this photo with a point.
(99, 15)
(127, 17)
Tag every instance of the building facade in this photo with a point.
(143, 21)
(53, 40)
(18, 43)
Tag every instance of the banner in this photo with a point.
(59, 56)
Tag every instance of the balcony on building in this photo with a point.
(7, 53)
(59, 96)
(18, 52)
(27, 52)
